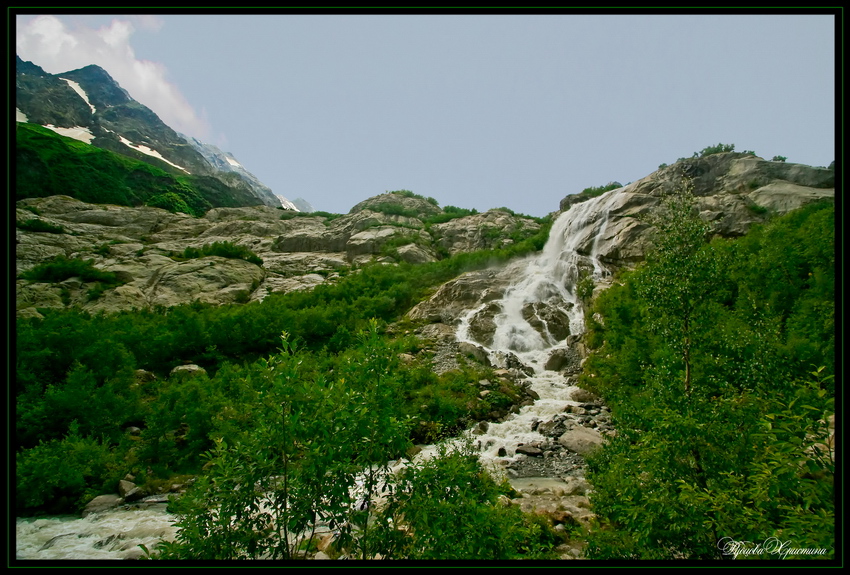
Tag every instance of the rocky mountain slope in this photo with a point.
(144, 245)
(733, 192)
(88, 105)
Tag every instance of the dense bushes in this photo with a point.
(75, 366)
(61, 268)
(317, 448)
(592, 192)
(718, 149)
(36, 225)
(224, 250)
(703, 356)
(49, 164)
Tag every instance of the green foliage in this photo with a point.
(49, 164)
(778, 159)
(718, 149)
(447, 507)
(171, 202)
(702, 355)
(585, 286)
(224, 250)
(66, 472)
(105, 249)
(72, 365)
(309, 439)
(592, 192)
(317, 214)
(61, 268)
(37, 225)
(448, 214)
(409, 194)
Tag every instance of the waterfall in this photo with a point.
(533, 316)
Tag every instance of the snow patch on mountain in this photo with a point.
(286, 204)
(149, 152)
(225, 162)
(79, 90)
(303, 205)
(77, 132)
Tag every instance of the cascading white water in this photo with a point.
(546, 280)
(114, 534)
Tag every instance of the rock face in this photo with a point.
(490, 230)
(733, 191)
(142, 245)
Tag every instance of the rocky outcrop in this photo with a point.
(733, 191)
(142, 245)
(399, 203)
(461, 294)
(491, 230)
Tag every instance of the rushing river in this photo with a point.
(547, 280)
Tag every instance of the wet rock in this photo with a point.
(529, 450)
(475, 351)
(581, 440)
(102, 503)
(189, 369)
(583, 396)
(129, 491)
(480, 428)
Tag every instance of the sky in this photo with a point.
(475, 110)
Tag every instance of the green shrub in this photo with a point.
(171, 202)
(449, 213)
(61, 268)
(409, 194)
(64, 474)
(778, 159)
(585, 287)
(36, 225)
(718, 149)
(592, 192)
(317, 214)
(222, 249)
(447, 507)
(701, 354)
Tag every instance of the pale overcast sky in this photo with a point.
(477, 111)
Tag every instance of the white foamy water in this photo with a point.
(546, 281)
(114, 534)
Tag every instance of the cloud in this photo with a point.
(48, 42)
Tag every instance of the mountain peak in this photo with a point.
(25, 67)
(99, 85)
